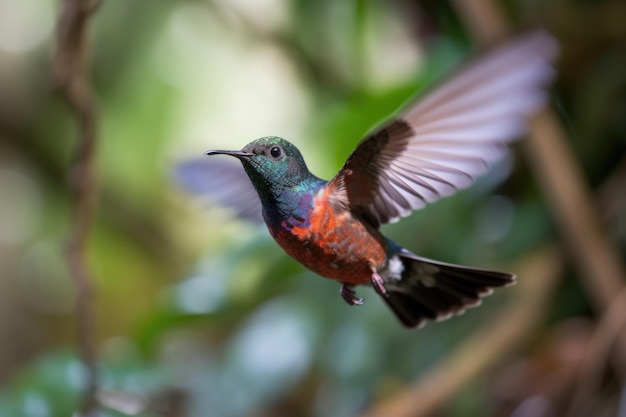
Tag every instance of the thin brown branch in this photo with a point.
(564, 185)
(604, 339)
(537, 280)
(70, 75)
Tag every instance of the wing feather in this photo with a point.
(451, 136)
(224, 182)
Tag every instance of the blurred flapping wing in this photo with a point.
(224, 182)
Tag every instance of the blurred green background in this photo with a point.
(199, 314)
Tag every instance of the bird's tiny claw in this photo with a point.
(378, 284)
(348, 294)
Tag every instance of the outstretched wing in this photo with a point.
(224, 182)
(451, 136)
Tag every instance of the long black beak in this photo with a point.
(236, 154)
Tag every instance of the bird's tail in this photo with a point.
(433, 290)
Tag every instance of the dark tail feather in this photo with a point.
(433, 290)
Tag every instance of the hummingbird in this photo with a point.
(436, 147)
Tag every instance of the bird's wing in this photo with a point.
(451, 136)
(224, 182)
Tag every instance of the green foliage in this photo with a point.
(189, 299)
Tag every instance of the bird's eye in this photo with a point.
(276, 152)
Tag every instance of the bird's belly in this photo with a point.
(338, 247)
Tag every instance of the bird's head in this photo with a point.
(273, 165)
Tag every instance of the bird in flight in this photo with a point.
(438, 146)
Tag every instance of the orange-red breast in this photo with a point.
(437, 147)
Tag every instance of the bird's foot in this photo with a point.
(378, 284)
(348, 294)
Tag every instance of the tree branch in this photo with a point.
(70, 76)
(564, 185)
(604, 338)
(539, 275)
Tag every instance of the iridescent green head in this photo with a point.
(274, 166)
